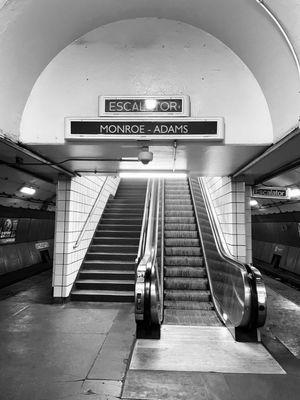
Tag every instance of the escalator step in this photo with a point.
(192, 272)
(183, 251)
(185, 283)
(188, 305)
(181, 234)
(185, 261)
(181, 242)
(188, 295)
(180, 227)
(191, 317)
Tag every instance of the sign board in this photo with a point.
(271, 192)
(141, 106)
(187, 128)
(8, 229)
(42, 245)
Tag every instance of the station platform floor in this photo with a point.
(51, 351)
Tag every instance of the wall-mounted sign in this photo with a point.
(8, 229)
(42, 245)
(271, 192)
(142, 106)
(188, 128)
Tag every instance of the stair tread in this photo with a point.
(106, 281)
(108, 262)
(106, 272)
(103, 292)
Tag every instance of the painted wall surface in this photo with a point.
(229, 200)
(148, 56)
(75, 198)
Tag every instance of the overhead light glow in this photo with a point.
(293, 193)
(28, 190)
(253, 203)
(144, 174)
(150, 104)
(225, 316)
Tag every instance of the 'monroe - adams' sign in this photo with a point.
(209, 129)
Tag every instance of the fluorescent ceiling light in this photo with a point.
(253, 203)
(293, 193)
(28, 190)
(144, 174)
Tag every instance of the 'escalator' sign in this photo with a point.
(209, 129)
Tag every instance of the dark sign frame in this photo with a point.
(139, 129)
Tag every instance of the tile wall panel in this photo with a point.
(231, 200)
(75, 199)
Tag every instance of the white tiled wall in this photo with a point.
(231, 206)
(75, 198)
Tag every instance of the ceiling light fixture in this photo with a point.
(144, 174)
(253, 203)
(293, 193)
(30, 191)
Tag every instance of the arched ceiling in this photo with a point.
(32, 32)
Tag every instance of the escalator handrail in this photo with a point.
(142, 240)
(258, 295)
(148, 262)
(250, 315)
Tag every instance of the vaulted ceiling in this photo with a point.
(32, 32)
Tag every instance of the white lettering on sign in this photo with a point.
(148, 105)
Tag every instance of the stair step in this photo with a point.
(192, 272)
(188, 295)
(123, 213)
(184, 261)
(188, 305)
(103, 295)
(112, 248)
(120, 220)
(106, 274)
(119, 227)
(117, 233)
(116, 240)
(105, 284)
(185, 283)
(105, 265)
(183, 251)
(111, 256)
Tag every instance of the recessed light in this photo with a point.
(253, 203)
(28, 190)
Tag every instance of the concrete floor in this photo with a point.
(61, 351)
(70, 351)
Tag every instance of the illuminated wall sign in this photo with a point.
(110, 106)
(42, 245)
(269, 192)
(8, 229)
(188, 128)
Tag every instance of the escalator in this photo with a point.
(184, 274)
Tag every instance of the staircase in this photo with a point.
(108, 271)
(187, 298)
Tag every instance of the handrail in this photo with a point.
(147, 294)
(144, 224)
(79, 238)
(237, 290)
